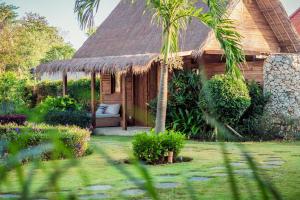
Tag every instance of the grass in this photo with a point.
(94, 169)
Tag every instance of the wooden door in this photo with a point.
(145, 89)
(140, 100)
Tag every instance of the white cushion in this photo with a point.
(113, 109)
(106, 115)
(101, 109)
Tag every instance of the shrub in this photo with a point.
(66, 141)
(16, 119)
(183, 112)
(152, 148)
(172, 141)
(78, 118)
(225, 98)
(65, 103)
(250, 123)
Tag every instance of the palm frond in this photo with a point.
(86, 11)
(226, 34)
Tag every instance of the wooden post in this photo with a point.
(124, 102)
(65, 83)
(93, 99)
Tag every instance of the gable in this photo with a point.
(295, 19)
(255, 30)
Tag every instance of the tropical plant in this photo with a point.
(77, 89)
(64, 103)
(183, 112)
(250, 123)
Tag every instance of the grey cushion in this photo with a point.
(106, 115)
(113, 109)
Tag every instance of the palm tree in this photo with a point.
(173, 16)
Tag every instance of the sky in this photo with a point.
(59, 13)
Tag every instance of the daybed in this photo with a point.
(108, 115)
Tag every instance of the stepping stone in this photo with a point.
(217, 168)
(199, 178)
(220, 174)
(9, 196)
(243, 171)
(135, 181)
(167, 185)
(237, 164)
(133, 192)
(167, 175)
(269, 166)
(274, 162)
(94, 196)
(99, 187)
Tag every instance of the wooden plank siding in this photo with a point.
(257, 34)
(252, 70)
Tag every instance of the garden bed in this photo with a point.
(65, 140)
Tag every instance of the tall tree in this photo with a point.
(173, 16)
(24, 43)
(61, 52)
(7, 14)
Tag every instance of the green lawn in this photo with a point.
(207, 160)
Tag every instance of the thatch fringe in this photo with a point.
(139, 63)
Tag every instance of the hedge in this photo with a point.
(78, 118)
(67, 140)
(17, 119)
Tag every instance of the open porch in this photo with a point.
(123, 82)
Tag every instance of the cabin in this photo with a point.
(295, 19)
(125, 52)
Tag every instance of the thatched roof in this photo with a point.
(109, 64)
(280, 23)
(129, 31)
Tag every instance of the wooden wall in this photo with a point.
(141, 89)
(252, 70)
(110, 97)
(256, 33)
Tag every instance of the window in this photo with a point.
(116, 82)
(111, 83)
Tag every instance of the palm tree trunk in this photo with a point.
(160, 122)
(162, 99)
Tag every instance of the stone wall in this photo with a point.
(282, 81)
